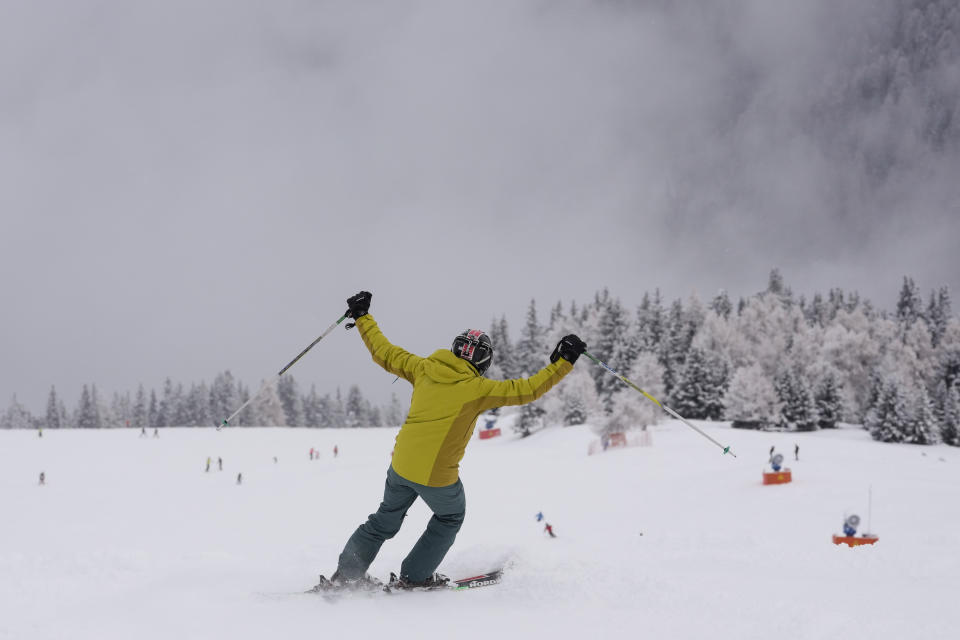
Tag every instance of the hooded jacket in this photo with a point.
(448, 397)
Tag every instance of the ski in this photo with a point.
(482, 580)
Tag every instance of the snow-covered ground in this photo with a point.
(130, 538)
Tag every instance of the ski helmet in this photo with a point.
(475, 347)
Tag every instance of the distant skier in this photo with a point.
(156, 433)
(796, 452)
(335, 451)
(311, 453)
(274, 459)
(239, 478)
(449, 394)
(539, 516)
(771, 453)
(43, 478)
(208, 465)
(549, 530)
(39, 433)
(143, 432)
(220, 463)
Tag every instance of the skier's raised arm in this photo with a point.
(395, 360)
(524, 390)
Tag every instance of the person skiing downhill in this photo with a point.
(449, 394)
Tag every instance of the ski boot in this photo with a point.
(336, 582)
(401, 583)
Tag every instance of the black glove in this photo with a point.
(359, 305)
(569, 348)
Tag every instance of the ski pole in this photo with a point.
(226, 421)
(658, 403)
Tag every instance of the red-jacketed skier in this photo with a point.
(449, 394)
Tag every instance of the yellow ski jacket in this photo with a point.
(448, 396)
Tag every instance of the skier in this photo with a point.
(771, 453)
(449, 394)
(311, 453)
(796, 452)
(539, 516)
(220, 463)
(239, 478)
(39, 433)
(143, 432)
(43, 478)
(156, 433)
(208, 465)
(549, 530)
(335, 451)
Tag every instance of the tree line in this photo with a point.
(770, 360)
(203, 405)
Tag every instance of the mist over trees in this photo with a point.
(772, 360)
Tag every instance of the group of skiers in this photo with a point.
(546, 525)
(315, 453)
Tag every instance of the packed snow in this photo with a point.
(130, 537)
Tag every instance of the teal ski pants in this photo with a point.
(449, 507)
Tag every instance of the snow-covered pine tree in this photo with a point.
(950, 420)
(337, 413)
(721, 305)
(530, 359)
(829, 400)
(87, 415)
(64, 416)
(798, 409)
(224, 396)
(939, 314)
(751, 401)
(53, 411)
(16, 416)
(886, 420)
(504, 359)
(291, 401)
(909, 305)
(139, 417)
(267, 409)
(313, 409)
(153, 412)
(166, 413)
(614, 345)
(922, 428)
(355, 409)
(197, 406)
(574, 401)
(690, 393)
(530, 349)
(650, 323)
(632, 410)
(673, 347)
(395, 413)
(181, 412)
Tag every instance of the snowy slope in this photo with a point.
(132, 539)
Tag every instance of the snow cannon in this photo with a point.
(850, 525)
(777, 462)
(849, 536)
(779, 475)
(489, 431)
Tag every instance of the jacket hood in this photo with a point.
(446, 367)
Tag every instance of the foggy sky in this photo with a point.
(193, 187)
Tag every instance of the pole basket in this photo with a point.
(777, 477)
(854, 541)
